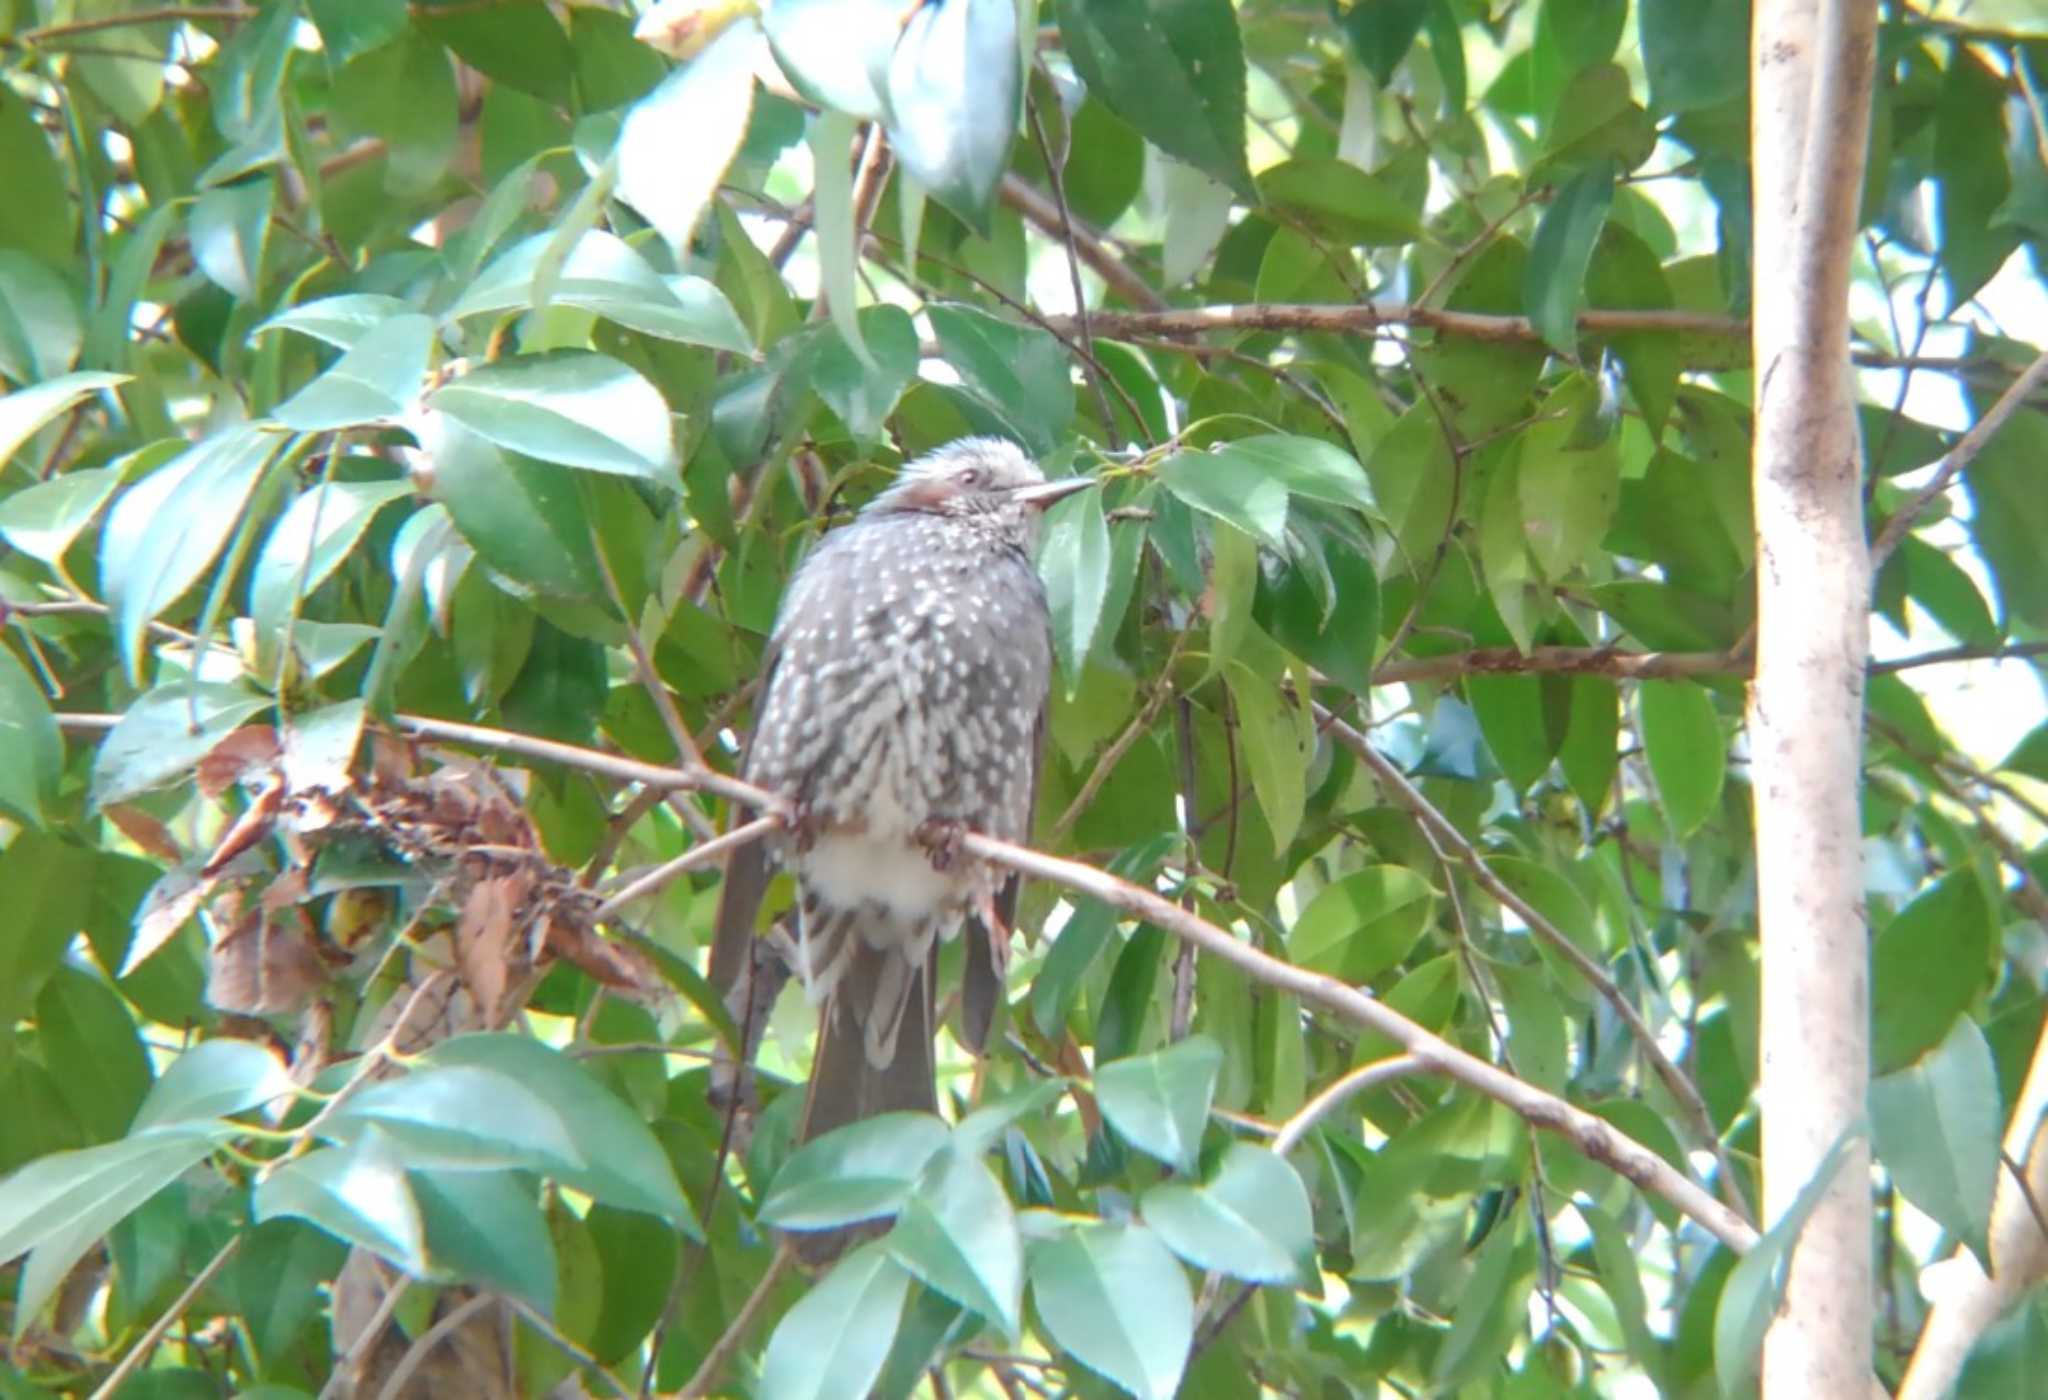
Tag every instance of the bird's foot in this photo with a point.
(803, 826)
(940, 837)
(992, 922)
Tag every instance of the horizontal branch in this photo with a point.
(1368, 317)
(1647, 665)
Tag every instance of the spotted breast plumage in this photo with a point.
(903, 704)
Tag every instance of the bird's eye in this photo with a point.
(971, 477)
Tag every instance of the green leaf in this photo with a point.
(350, 27)
(678, 140)
(836, 52)
(341, 321)
(486, 1227)
(1521, 728)
(1251, 1220)
(834, 1341)
(50, 885)
(1381, 32)
(516, 42)
(1936, 1125)
(165, 530)
(1019, 373)
(574, 407)
(603, 274)
(358, 1192)
(57, 1206)
(42, 520)
(1277, 746)
(1174, 69)
(1336, 201)
(1308, 467)
(1160, 1101)
(1567, 488)
(1749, 1300)
(320, 528)
(636, 1281)
(229, 229)
(863, 396)
(214, 1079)
(626, 1167)
(31, 748)
(87, 1029)
(1926, 966)
(858, 1172)
(404, 95)
(163, 735)
(1695, 52)
(460, 1116)
(1252, 500)
(376, 381)
(954, 95)
(1688, 753)
(526, 519)
(1075, 559)
(1116, 1299)
(41, 330)
(959, 1236)
(831, 137)
(1558, 259)
(1975, 180)
(38, 215)
(1359, 926)
(24, 411)
(1590, 753)
(1598, 121)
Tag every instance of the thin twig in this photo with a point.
(1958, 458)
(743, 1322)
(1054, 171)
(147, 1343)
(1358, 1081)
(703, 853)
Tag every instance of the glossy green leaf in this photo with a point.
(26, 410)
(858, 1172)
(1160, 1101)
(1277, 747)
(460, 1116)
(1074, 558)
(41, 330)
(630, 1170)
(165, 733)
(1175, 71)
(526, 519)
(836, 52)
(1926, 966)
(213, 1079)
(1695, 52)
(31, 748)
(678, 140)
(1308, 467)
(518, 42)
(229, 230)
(831, 138)
(350, 27)
(1117, 1300)
(568, 406)
(1687, 750)
(1598, 121)
(958, 1235)
(404, 95)
(38, 218)
(43, 520)
(1591, 751)
(865, 395)
(1359, 926)
(954, 92)
(603, 274)
(1337, 201)
(1020, 373)
(1250, 1220)
(1936, 1126)
(357, 1192)
(320, 528)
(377, 380)
(1381, 34)
(1567, 488)
(834, 1341)
(165, 530)
(1254, 501)
(1969, 114)
(487, 1227)
(87, 1030)
(339, 320)
(1562, 252)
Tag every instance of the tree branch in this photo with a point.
(1369, 317)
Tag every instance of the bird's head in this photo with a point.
(976, 478)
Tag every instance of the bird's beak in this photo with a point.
(1046, 493)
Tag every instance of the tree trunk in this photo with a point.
(1812, 67)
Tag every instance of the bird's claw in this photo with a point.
(940, 837)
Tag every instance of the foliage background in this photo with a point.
(377, 364)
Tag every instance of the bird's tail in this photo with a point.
(846, 1084)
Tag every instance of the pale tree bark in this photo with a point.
(1812, 64)
(1966, 1299)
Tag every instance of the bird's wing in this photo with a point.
(747, 873)
(981, 979)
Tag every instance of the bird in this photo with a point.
(902, 703)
